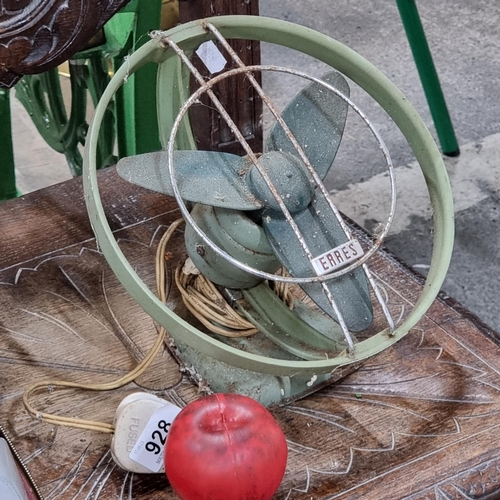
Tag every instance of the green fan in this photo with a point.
(249, 216)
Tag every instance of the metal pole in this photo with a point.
(137, 124)
(428, 76)
(7, 172)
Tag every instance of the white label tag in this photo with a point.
(337, 257)
(211, 56)
(149, 448)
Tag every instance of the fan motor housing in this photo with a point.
(236, 234)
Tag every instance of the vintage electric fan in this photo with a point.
(246, 217)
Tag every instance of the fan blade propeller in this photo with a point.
(207, 177)
(316, 117)
(321, 232)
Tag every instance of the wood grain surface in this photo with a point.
(419, 421)
(237, 94)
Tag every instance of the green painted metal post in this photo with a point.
(428, 76)
(7, 171)
(137, 124)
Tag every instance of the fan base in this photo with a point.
(219, 377)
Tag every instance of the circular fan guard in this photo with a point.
(186, 38)
(205, 87)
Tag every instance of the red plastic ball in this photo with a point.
(225, 447)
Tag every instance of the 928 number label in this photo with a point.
(149, 448)
(152, 446)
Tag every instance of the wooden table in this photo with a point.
(419, 421)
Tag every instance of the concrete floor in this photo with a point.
(465, 40)
(37, 165)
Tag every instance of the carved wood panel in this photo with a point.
(36, 35)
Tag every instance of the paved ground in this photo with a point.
(465, 39)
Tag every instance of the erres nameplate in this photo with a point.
(337, 257)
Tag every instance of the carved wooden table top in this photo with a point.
(419, 421)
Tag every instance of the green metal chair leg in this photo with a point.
(64, 131)
(428, 76)
(131, 120)
(7, 171)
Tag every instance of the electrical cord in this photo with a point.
(200, 297)
(50, 385)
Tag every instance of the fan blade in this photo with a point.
(316, 117)
(207, 177)
(321, 232)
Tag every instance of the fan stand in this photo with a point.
(266, 378)
(216, 376)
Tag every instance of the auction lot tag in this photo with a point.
(337, 257)
(149, 448)
(211, 56)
